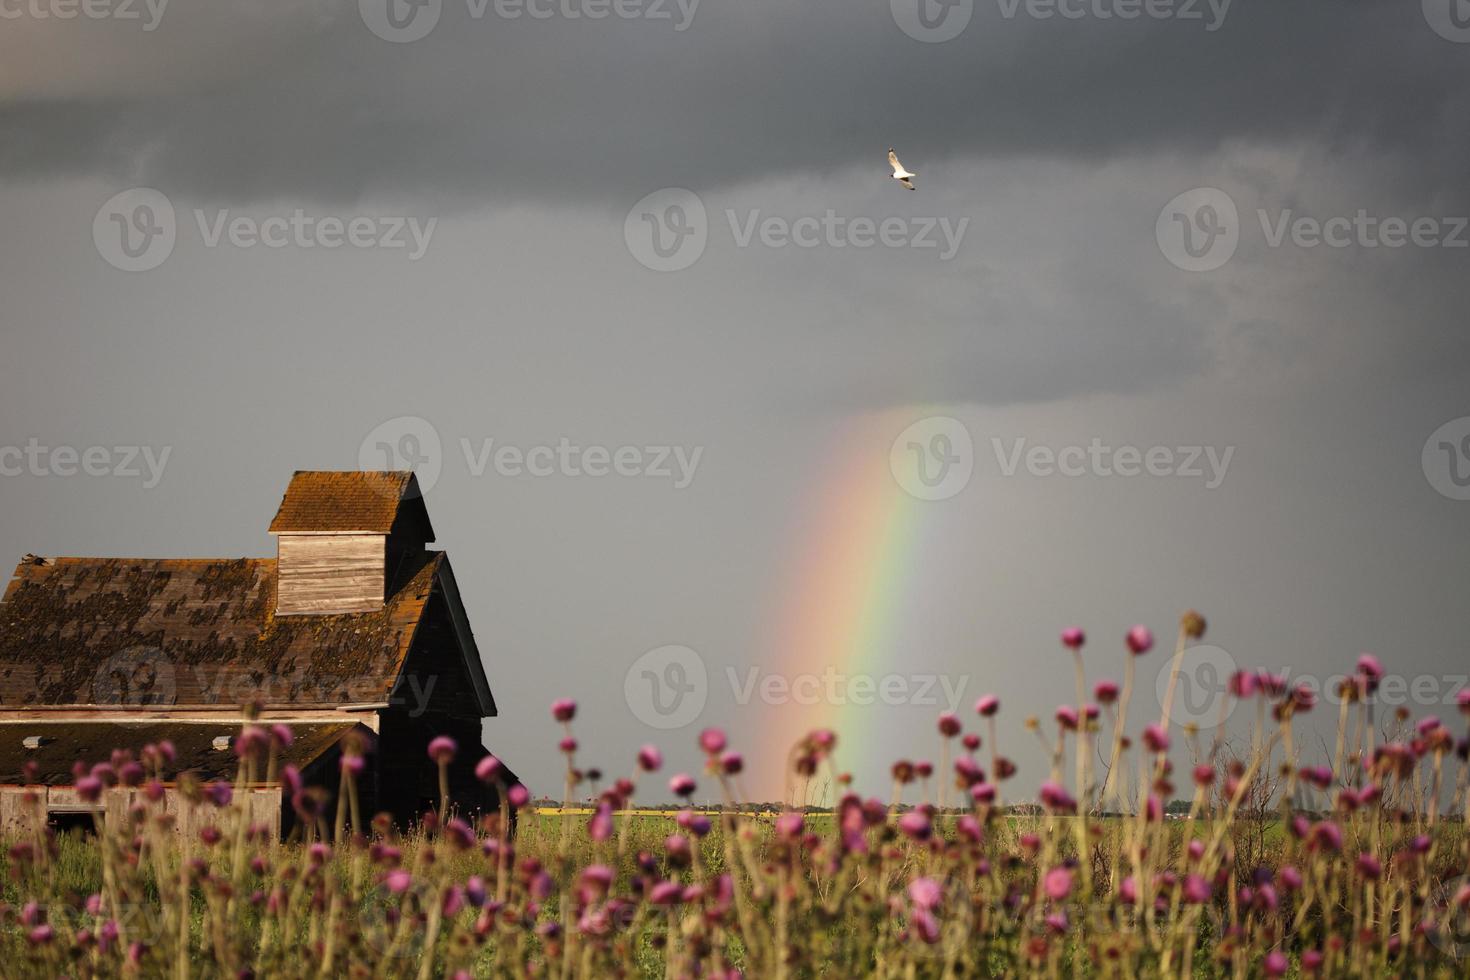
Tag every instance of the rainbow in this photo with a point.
(844, 605)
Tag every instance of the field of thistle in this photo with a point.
(1275, 864)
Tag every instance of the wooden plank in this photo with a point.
(320, 574)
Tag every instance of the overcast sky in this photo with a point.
(1046, 282)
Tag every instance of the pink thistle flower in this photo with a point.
(682, 785)
(220, 793)
(983, 793)
(1276, 963)
(487, 770)
(1155, 737)
(442, 749)
(949, 724)
(252, 739)
(1312, 960)
(568, 745)
(89, 789)
(971, 741)
(210, 835)
(1067, 717)
(1073, 638)
(1054, 797)
(916, 824)
(518, 796)
(789, 825)
(1128, 891)
(732, 763)
(1057, 884)
(1057, 922)
(281, 735)
(926, 926)
(600, 827)
(1369, 867)
(1197, 889)
(41, 935)
(925, 894)
(1328, 835)
(1242, 684)
(1203, 775)
(968, 827)
(1140, 640)
(290, 780)
(666, 893)
(1463, 701)
(712, 741)
(923, 769)
(564, 709)
(598, 876)
(1106, 692)
(650, 759)
(353, 765)
(1291, 878)
(987, 706)
(398, 881)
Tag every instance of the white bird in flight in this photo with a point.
(899, 173)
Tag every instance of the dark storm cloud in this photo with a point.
(498, 109)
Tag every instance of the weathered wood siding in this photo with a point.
(17, 815)
(329, 573)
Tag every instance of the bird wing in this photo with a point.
(893, 162)
(907, 183)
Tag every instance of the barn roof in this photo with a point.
(149, 632)
(91, 742)
(352, 501)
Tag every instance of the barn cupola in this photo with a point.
(342, 537)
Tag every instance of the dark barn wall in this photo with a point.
(434, 696)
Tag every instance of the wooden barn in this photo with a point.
(354, 627)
